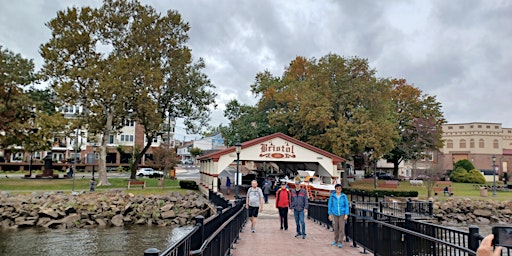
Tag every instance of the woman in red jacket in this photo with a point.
(282, 204)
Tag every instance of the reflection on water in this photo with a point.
(131, 240)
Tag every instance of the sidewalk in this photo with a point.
(269, 239)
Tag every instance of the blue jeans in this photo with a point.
(299, 222)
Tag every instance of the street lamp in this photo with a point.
(494, 175)
(93, 158)
(238, 148)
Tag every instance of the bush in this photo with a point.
(459, 175)
(188, 184)
(465, 164)
(475, 176)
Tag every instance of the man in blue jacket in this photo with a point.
(299, 204)
(338, 210)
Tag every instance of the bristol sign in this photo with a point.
(270, 150)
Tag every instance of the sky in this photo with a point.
(458, 51)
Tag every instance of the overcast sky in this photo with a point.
(458, 51)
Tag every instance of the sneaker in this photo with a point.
(303, 236)
(334, 243)
(253, 230)
(340, 245)
(297, 235)
(281, 227)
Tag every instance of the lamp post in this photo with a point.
(494, 175)
(375, 174)
(93, 158)
(238, 148)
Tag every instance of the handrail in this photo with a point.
(216, 233)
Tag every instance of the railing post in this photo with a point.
(219, 210)
(473, 242)
(200, 222)
(151, 252)
(353, 210)
(408, 225)
(408, 207)
(430, 208)
(381, 205)
(375, 232)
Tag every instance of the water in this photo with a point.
(131, 240)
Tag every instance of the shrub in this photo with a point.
(465, 164)
(188, 184)
(459, 175)
(475, 176)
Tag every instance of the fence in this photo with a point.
(213, 236)
(387, 234)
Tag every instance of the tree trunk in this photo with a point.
(102, 170)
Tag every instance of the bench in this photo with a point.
(440, 186)
(416, 182)
(132, 183)
(388, 184)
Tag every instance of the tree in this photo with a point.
(195, 152)
(334, 103)
(163, 157)
(16, 111)
(125, 61)
(419, 123)
(465, 164)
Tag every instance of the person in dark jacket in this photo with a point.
(338, 210)
(266, 191)
(299, 204)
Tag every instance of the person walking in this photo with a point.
(299, 204)
(338, 210)
(91, 185)
(228, 184)
(282, 204)
(254, 203)
(266, 191)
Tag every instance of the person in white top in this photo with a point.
(254, 203)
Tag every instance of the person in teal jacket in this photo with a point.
(338, 210)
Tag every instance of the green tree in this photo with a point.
(419, 123)
(465, 164)
(334, 103)
(16, 111)
(195, 152)
(125, 61)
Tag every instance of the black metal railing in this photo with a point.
(387, 234)
(418, 209)
(218, 199)
(215, 235)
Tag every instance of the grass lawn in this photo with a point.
(20, 185)
(465, 190)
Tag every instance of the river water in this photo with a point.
(131, 240)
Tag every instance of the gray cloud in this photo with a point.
(454, 50)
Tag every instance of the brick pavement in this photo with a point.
(269, 239)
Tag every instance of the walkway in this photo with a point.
(269, 239)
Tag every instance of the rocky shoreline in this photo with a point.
(113, 208)
(466, 211)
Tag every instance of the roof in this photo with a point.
(218, 154)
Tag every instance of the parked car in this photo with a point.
(150, 172)
(422, 177)
(384, 176)
(187, 161)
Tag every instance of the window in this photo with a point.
(128, 122)
(488, 126)
(472, 143)
(495, 144)
(37, 155)
(430, 156)
(461, 127)
(479, 126)
(471, 126)
(481, 143)
(462, 143)
(127, 138)
(496, 127)
(110, 139)
(449, 143)
(450, 128)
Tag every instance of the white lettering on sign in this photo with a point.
(269, 150)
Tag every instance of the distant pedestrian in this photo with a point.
(282, 204)
(228, 184)
(338, 210)
(254, 203)
(299, 204)
(91, 183)
(266, 191)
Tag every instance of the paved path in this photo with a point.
(269, 239)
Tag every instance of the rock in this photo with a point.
(49, 212)
(482, 213)
(168, 215)
(118, 220)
